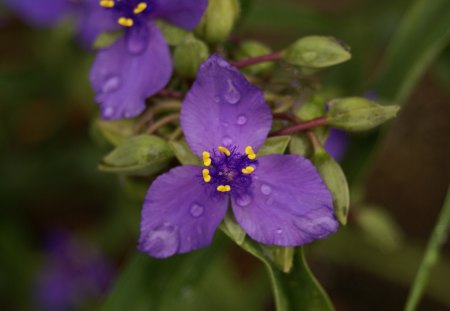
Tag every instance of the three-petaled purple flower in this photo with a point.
(277, 199)
(138, 65)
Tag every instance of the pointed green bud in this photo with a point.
(183, 153)
(274, 145)
(106, 39)
(316, 52)
(218, 20)
(189, 55)
(174, 35)
(139, 155)
(116, 131)
(252, 48)
(334, 178)
(358, 114)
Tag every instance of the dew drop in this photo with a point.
(217, 99)
(309, 56)
(108, 112)
(241, 120)
(244, 200)
(227, 141)
(232, 95)
(266, 189)
(111, 84)
(162, 242)
(279, 231)
(197, 210)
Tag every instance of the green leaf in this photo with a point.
(174, 35)
(116, 131)
(274, 145)
(139, 155)
(297, 290)
(334, 178)
(423, 33)
(106, 39)
(316, 52)
(358, 113)
(183, 153)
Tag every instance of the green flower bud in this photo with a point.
(358, 114)
(334, 178)
(174, 35)
(218, 20)
(189, 55)
(252, 48)
(115, 132)
(316, 52)
(138, 155)
(106, 39)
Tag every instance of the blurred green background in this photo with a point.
(398, 175)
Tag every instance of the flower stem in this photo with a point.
(257, 60)
(160, 123)
(298, 126)
(431, 256)
(170, 93)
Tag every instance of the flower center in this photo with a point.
(228, 170)
(129, 12)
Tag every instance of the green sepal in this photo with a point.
(106, 39)
(358, 114)
(188, 56)
(316, 52)
(139, 155)
(274, 145)
(183, 153)
(233, 228)
(174, 35)
(335, 180)
(116, 131)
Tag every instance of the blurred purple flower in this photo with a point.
(337, 143)
(277, 199)
(73, 274)
(138, 65)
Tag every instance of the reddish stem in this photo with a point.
(300, 127)
(170, 93)
(256, 60)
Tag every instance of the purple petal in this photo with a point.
(42, 13)
(178, 215)
(183, 13)
(123, 79)
(93, 20)
(288, 204)
(223, 108)
(336, 144)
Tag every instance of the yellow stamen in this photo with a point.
(224, 150)
(206, 176)
(248, 170)
(126, 22)
(206, 158)
(140, 8)
(224, 188)
(107, 3)
(250, 153)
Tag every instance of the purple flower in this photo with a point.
(138, 65)
(336, 144)
(277, 199)
(73, 274)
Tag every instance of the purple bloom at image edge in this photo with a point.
(277, 199)
(337, 143)
(139, 64)
(72, 274)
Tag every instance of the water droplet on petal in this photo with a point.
(244, 200)
(197, 210)
(232, 95)
(162, 242)
(108, 112)
(241, 120)
(217, 99)
(227, 141)
(111, 84)
(279, 231)
(266, 189)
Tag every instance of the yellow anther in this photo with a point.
(224, 150)
(250, 153)
(248, 170)
(206, 176)
(107, 3)
(140, 8)
(224, 188)
(126, 22)
(206, 158)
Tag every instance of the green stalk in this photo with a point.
(431, 256)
